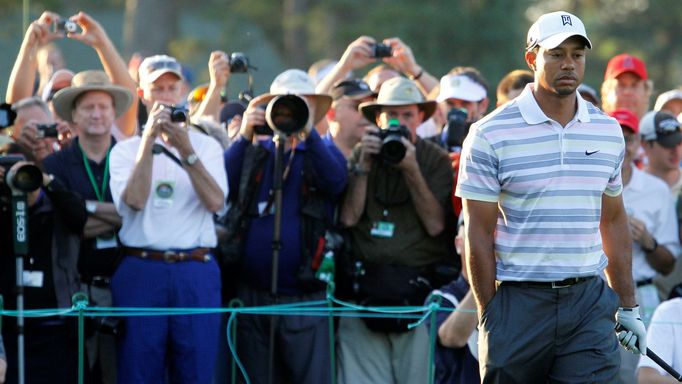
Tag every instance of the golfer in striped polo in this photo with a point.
(541, 186)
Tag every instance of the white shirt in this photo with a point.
(648, 199)
(173, 216)
(664, 336)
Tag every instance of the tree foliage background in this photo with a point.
(280, 34)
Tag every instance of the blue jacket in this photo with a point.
(330, 168)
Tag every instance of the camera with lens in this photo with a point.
(284, 114)
(26, 178)
(457, 128)
(65, 26)
(47, 130)
(392, 148)
(7, 115)
(239, 63)
(381, 50)
(178, 114)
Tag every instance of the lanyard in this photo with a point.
(105, 179)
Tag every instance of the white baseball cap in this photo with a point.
(460, 87)
(551, 29)
(665, 97)
(153, 67)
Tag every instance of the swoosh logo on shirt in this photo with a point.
(588, 153)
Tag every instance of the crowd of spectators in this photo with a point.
(157, 194)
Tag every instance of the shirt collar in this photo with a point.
(532, 114)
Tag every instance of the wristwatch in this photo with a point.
(356, 170)
(91, 207)
(191, 159)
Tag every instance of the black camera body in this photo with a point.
(7, 161)
(457, 128)
(47, 130)
(178, 114)
(392, 148)
(65, 26)
(7, 115)
(239, 63)
(263, 129)
(380, 50)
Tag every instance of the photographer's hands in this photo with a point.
(370, 145)
(403, 60)
(253, 116)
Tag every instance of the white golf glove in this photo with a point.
(632, 334)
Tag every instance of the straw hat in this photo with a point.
(87, 81)
(296, 82)
(397, 91)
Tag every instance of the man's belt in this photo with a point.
(565, 283)
(170, 256)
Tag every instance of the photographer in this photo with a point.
(463, 99)
(397, 212)
(49, 27)
(91, 105)
(314, 177)
(366, 50)
(34, 129)
(56, 217)
(166, 185)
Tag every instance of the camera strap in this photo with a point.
(158, 148)
(105, 179)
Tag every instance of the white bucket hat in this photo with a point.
(296, 82)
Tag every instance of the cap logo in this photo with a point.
(566, 20)
(669, 125)
(628, 62)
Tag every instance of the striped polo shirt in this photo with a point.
(548, 181)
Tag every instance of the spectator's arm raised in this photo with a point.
(95, 36)
(22, 78)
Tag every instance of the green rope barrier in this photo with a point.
(433, 332)
(332, 337)
(234, 303)
(230, 323)
(80, 304)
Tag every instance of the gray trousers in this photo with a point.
(539, 335)
(101, 347)
(302, 347)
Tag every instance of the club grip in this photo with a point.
(650, 354)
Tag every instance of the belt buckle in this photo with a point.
(170, 257)
(557, 284)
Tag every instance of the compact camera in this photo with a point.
(239, 63)
(47, 130)
(392, 148)
(7, 115)
(178, 114)
(380, 50)
(65, 26)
